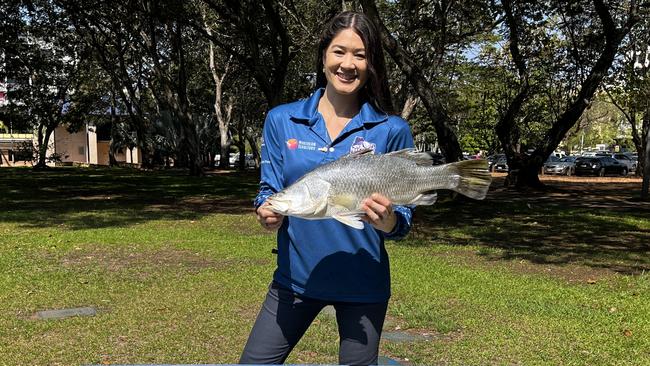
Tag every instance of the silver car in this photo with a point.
(563, 166)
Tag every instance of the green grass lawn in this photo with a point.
(177, 268)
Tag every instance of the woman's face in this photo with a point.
(345, 63)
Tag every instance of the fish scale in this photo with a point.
(405, 177)
(367, 174)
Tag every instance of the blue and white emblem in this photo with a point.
(360, 144)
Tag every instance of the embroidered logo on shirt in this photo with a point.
(360, 144)
(294, 144)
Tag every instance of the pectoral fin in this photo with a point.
(425, 199)
(351, 218)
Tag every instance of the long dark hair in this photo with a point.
(376, 90)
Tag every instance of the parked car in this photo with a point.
(249, 161)
(501, 165)
(234, 157)
(231, 159)
(635, 159)
(627, 160)
(492, 159)
(599, 165)
(563, 166)
(552, 159)
(596, 153)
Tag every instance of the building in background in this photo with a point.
(90, 146)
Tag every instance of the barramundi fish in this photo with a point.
(406, 177)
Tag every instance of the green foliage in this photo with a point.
(439, 38)
(629, 85)
(41, 62)
(477, 106)
(149, 60)
(601, 123)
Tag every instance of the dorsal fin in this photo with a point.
(362, 152)
(419, 158)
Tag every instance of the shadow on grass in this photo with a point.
(574, 222)
(590, 224)
(94, 198)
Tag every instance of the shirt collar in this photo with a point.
(308, 111)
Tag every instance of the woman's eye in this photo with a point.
(360, 56)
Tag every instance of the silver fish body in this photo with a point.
(406, 177)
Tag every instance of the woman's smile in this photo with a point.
(346, 78)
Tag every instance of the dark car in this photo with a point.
(501, 165)
(599, 165)
(627, 160)
(492, 159)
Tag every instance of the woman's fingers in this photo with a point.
(377, 207)
(379, 212)
(268, 219)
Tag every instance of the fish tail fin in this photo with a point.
(474, 178)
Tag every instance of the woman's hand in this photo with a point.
(268, 219)
(379, 212)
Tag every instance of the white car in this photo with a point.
(249, 161)
(233, 159)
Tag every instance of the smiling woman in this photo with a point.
(325, 262)
(353, 35)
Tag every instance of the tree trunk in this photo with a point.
(242, 153)
(184, 107)
(613, 37)
(174, 89)
(43, 141)
(270, 76)
(409, 106)
(447, 139)
(252, 141)
(224, 160)
(524, 172)
(644, 159)
(112, 161)
(223, 119)
(111, 145)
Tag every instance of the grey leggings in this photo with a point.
(285, 316)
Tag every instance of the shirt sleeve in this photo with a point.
(271, 164)
(401, 138)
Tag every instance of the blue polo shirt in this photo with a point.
(325, 259)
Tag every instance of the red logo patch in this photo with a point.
(292, 144)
